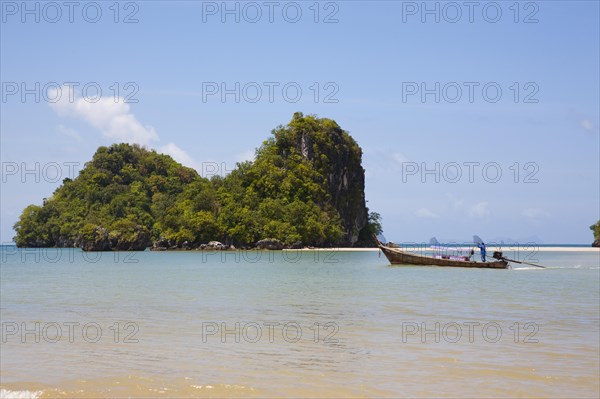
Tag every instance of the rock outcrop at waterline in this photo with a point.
(270, 243)
(304, 188)
(101, 239)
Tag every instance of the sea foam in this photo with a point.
(6, 394)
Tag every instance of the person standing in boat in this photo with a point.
(481, 247)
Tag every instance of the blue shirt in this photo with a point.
(481, 247)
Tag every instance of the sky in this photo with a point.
(474, 117)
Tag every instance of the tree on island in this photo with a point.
(596, 229)
(305, 187)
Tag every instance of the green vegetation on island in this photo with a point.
(304, 188)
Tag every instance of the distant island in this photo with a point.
(305, 187)
(596, 229)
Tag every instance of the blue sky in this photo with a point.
(370, 63)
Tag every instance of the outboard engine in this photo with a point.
(497, 255)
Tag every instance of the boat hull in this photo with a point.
(399, 257)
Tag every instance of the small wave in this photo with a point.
(6, 394)
(555, 267)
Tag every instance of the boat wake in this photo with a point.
(557, 267)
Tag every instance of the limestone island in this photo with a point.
(305, 188)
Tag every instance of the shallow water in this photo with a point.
(317, 324)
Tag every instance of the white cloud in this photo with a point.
(179, 155)
(67, 131)
(534, 213)
(456, 202)
(425, 213)
(113, 118)
(587, 125)
(480, 209)
(400, 158)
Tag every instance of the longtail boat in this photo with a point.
(398, 257)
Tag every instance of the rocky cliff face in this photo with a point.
(339, 159)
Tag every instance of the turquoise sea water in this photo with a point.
(318, 324)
